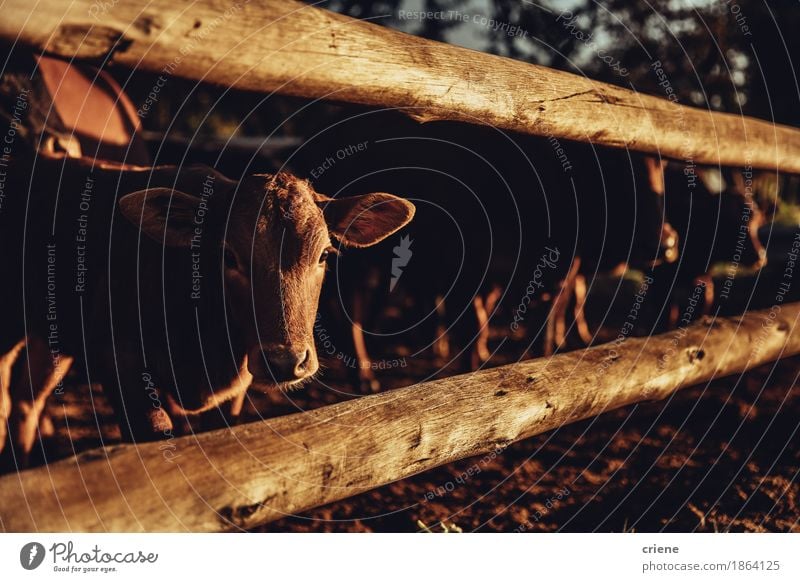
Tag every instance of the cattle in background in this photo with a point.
(54, 106)
(489, 206)
(617, 217)
(173, 287)
(718, 221)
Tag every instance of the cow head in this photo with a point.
(272, 238)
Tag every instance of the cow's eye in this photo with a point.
(230, 259)
(324, 256)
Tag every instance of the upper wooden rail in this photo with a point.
(293, 48)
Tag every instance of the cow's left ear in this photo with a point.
(362, 221)
(165, 215)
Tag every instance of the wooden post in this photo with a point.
(251, 474)
(293, 48)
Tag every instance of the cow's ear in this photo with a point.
(167, 216)
(362, 221)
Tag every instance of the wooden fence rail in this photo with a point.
(255, 473)
(293, 48)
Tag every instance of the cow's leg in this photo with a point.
(674, 314)
(492, 298)
(483, 313)
(231, 401)
(550, 326)
(480, 349)
(7, 361)
(46, 427)
(569, 293)
(366, 377)
(580, 305)
(441, 343)
(240, 385)
(556, 334)
(41, 374)
(560, 329)
(237, 405)
(708, 292)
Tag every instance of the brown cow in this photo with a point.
(173, 292)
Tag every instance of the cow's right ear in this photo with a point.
(167, 216)
(362, 221)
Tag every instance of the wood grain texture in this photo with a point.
(255, 473)
(292, 48)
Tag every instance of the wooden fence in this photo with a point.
(296, 49)
(252, 474)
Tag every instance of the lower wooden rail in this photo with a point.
(252, 474)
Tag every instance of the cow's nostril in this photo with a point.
(282, 364)
(300, 369)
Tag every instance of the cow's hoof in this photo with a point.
(369, 386)
(159, 423)
(46, 427)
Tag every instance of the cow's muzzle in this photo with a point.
(281, 364)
